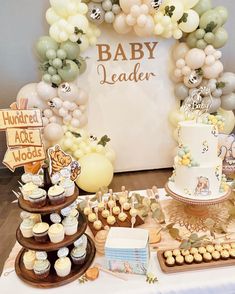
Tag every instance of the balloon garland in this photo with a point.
(75, 25)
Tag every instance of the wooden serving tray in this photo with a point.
(53, 280)
(193, 266)
(30, 243)
(125, 224)
(48, 208)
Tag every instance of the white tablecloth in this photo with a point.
(219, 280)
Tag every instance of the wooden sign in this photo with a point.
(23, 141)
(23, 137)
(20, 118)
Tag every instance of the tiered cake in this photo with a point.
(197, 167)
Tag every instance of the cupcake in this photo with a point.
(232, 245)
(68, 186)
(202, 250)
(26, 178)
(70, 224)
(78, 255)
(218, 247)
(210, 248)
(226, 246)
(176, 252)
(232, 252)
(40, 232)
(27, 190)
(193, 251)
(41, 268)
(56, 195)
(63, 266)
(56, 233)
(167, 253)
(81, 242)
(185, 252)
(224, 254)
(179, 260)
(170, 261)
(29, 258)
(198, 258)
(207, 257)
(215, 255)
(26, 227)
(38, 198)
(189, 258)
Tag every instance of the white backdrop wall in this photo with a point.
(22, 22)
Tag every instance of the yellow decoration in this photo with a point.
(96, 172)
(185, 161)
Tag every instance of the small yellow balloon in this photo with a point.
(96, 172)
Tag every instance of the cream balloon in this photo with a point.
(180, 50)
(46, 91)
(51, 16)
(53, 132)
(120, 24)
(189, 3)
(195, 58)
(84, 43)
(192, 22)
(68, 92)
(96, 172)
(127, 4)
(229, 122)
(213, 71)
(147, 29)
(29, 92)
(60, 7)
(79, 21)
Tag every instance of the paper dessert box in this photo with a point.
(127, 250)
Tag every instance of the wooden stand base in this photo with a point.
(197, 211)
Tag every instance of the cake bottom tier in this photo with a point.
(202, 182)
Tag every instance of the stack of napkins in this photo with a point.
(127, 250)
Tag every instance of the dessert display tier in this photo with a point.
(53, 280)
(49, 208)
(32, 244)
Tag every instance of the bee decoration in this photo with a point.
(156, 4)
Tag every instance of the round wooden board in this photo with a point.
(53, 281)
(197, 202)
(25, 205)
(30, 243)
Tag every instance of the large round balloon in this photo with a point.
(228, 101)
(202, 6)
(228, 78)
(96, 172)
(126, 5)
(68, 92)
(192, 22)
(46, 91)
(53, 132)
(29, 91)
(195, 58)
(69, 72)
(120, 24)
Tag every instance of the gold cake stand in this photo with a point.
(193, 214)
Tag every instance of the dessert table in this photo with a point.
(216, 280)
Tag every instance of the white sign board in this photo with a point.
(130, 97)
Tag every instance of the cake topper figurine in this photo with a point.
(198, 103)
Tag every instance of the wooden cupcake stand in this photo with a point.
(52, 280)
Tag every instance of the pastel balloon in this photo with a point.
(147, 29)
(69, 72)
(189, 3)
(213, 71)
(53, 132)
(96, 172)
(72, 49)
(202, 6)
(120, 24)
(195, 58)
(192, 22)
(79, 21)
(43, 44)
(51, 16)
(228, 101)
(180, 50)
(178, 9)
(181, 91)
(193, 80)
(46, 91)
(223, 12)
(209, 17)
(126, 5)
(221, 38)
(228, 78)
(110, 154)
(60, 7)
(216, 103)
(29, 91)
(68, 92)
(229, 122)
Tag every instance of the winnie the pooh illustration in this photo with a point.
(59, 159)
(203, 187)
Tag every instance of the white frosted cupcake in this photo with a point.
(56, 195)
(56, 233)
(70, 224)
(26, 178)
(74, 212)
(29, 258)
(68, 186)
(40, 232)
(26, 227)
(27, 190)
(78, 255)
(41, 268)
(63, 266)
(38, 198)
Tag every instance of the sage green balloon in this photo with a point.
(221, 38)
(43, 44)
(69, 72)
(83, 65)
(72, 49)
(210, 16)
(191, 40)
(202, 6)
(181, 91)
(223, 12)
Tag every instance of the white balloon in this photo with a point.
(68, 92)
(53, 132)
(147, 29)
(77, 113)
(51, 16)
(228, 101)
(229, 79)
(180, 50)
(29, 92)
(79, 21)
(120, 24)
(213, 71)
(192, 22)
(195, 58)
(75, 123)
(46, 91)
(127, 4)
